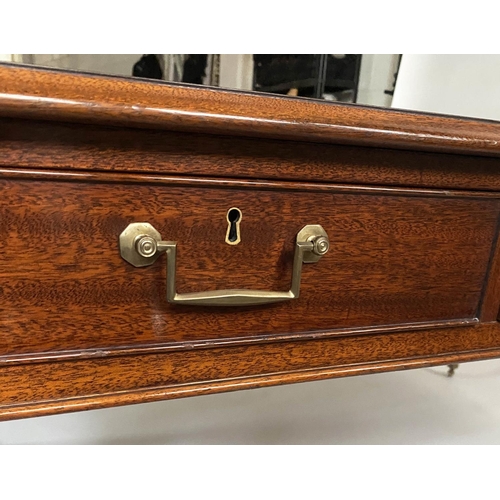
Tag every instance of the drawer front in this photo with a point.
(397, 258)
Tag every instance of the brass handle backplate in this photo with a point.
(141, 245)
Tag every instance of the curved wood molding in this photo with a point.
(36, 93)
(53, 388)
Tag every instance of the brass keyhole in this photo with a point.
(233, 226)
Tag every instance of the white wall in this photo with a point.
(467, 85)
(236, 71)
(111, 64)
(375, 76)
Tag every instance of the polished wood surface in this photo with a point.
(397, 257)
(69, 146)
(72, 97)
(411, 204)
(48, 388)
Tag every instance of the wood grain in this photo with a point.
(490, 301)
(68, 147)
(35, 93)
(411, 203)
(397, 257)
(49, 388)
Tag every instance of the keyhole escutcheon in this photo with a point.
(233, 217)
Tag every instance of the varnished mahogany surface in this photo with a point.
(70, 146)
(66, 96)
(411, 203)
(397, 257)
(45, 388)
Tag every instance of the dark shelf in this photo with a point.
(313, 75)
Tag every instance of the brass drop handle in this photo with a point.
(141, 245)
